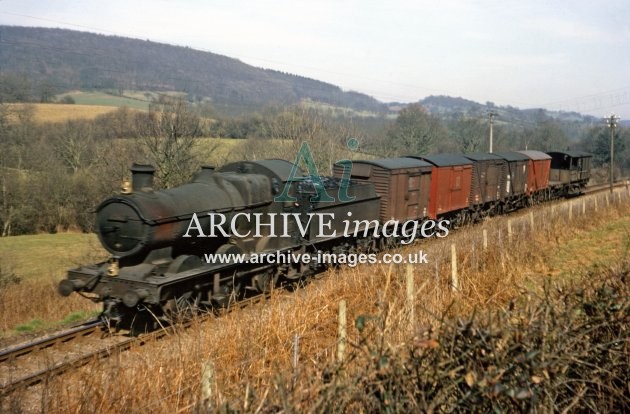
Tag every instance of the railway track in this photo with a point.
(603, 187)
(28, 364)
(14, 376)
(83, 330)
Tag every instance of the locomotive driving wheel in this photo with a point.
(264, 281)
(182, 307)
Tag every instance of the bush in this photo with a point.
(67, 99)
(8, 278)
(567, 350)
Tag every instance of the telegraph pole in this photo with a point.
(612, 124)
(491, 116)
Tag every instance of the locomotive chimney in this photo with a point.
(142, 177)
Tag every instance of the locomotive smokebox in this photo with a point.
(130, 226)
(142, 177)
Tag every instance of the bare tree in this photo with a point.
(470, 134)
(7, 211)
(415, 131)
(168, 135)
(283, 132)
(75, 144)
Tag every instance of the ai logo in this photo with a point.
(304, 154)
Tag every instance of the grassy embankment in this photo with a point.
(521, 290)
(39, 262)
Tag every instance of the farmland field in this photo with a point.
(137, 101)
(47, 256)
(63, 112)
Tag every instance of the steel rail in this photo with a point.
(82, 330)
(105, 352)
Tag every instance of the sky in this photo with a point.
(562, 55)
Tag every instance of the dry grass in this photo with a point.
(217, 151)
(39, 262)
(64, 112)
(32, 306)
(220, 151)
(251, 350)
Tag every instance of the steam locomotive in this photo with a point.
(157, 268)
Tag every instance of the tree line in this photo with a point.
(53, 175)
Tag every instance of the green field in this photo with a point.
(105, 99)
(599, 247)
(47, 256)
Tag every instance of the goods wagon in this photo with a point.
(450, 185)
(402, 183)
(516, 184)
(537, 173)
(489, 178)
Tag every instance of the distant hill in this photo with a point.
(446, 106)
(63, 60)
(53, 61)
(451, 108)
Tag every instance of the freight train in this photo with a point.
(157, 269)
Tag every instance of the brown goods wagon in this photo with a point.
(537, 170)
(489, 178)
(402, 183)
(517, 172)
(450, 183)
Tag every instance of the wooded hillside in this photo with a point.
(57, 60)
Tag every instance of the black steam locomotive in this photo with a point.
(155, 268)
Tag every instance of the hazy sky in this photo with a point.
(570, 55)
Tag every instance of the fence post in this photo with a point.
(296, 345)
(531, 220)
(342, 332)
(595, 199)
(207, 383)
(411, 298)
(509, 224)
(437, 274)
(583, 207)
(454, 280)
(485, 239)
(607, 201)
(474, 256)
(570, 210)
